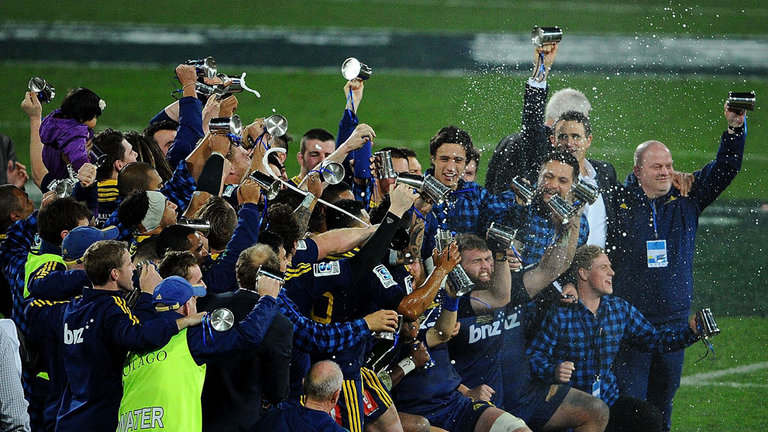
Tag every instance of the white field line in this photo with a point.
(706, 378)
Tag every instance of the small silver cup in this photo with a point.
(226, 125)
(45, 93)
(741, 100)
(459, 283)
(352, 68)
(384, 167)
(501, 235)
(541, 36)
(205, 68)
(221, 319)
(523, 190)
(387, 334)
(443, 239)
(562, 210)
(332, 172)
(271, 185)
(276, 125)
(201, 225)
(585, 192)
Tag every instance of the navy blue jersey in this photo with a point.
(306, 252)
(515, 369)
(299, 419)
(425, 390)
(328, 293)
(475, 350)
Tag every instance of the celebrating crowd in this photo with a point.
(180, 279)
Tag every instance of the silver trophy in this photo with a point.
(226, 125)
(45, 92)
(383, 162)
(352, 68)
(741, 101)
(428, 186)
(459, 283)
(64, 187)
(271, 274)
(500, 236)
(706, 323)
(276, 125)
(221, 319)
(443, 239)
(98, 158)
(585, 192)
(201, 225)
(388, 335)
(271, 185)
(523, 190)
(331, 172)
(205, 68)
(541, 36)
(562, 210)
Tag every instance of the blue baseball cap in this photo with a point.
(74, 245)
(174, 291)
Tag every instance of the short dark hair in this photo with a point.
(394, 152)
(474, 155)
(173, 238)
(577, 117)
(109, 142)
(468, 241)
(564, 157)
(335, 219)
(81, 104)
(318, 134)
(274, 241)
(223, 219)
(148, 151)
(134, 176)
(157, 126)
(283, 141)
(408, 152)
(9, 203)
(61, 214)
(176, 263)
(450, 135)
(101, 257)
(248, 263)
(281, 222)
(132, 210)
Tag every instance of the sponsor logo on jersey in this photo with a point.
(301, 245)
(326, 268)
(385, 277)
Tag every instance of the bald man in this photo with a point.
(656, 255)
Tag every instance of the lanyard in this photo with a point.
(653, 214)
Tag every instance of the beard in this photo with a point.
(482, 286)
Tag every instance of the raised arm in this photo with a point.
(415, 303)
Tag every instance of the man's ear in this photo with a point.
(14, 216)
(583, 273)
(336, 395)
(552, 140)
(114, 274)
(64, 233)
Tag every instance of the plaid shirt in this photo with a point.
(312, 337)
(535, 231)
(178, 190)
(573, 333)
(468, 209)
(13, 256)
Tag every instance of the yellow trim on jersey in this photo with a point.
(372, 381)
(120, 302)
(351, 400)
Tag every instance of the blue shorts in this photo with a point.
(539, 403)
(459, 415)
(348, 411)
(376, 398)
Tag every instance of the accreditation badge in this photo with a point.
(656, 253)
(596, 388)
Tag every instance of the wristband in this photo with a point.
(407, 365)
(450, 303)
(736, 130)
(308, 200)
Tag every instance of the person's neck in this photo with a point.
(583, 168)
(318, 406)
(652, 194)
(590, 300)
(107, 287)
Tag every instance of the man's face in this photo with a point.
(164, 138)
(198, 246)
(283, 258)
(240, 164)
(600, 276)
(400, 165)
(449, 161)
(129, 155)
(478, 264)
(195, 276)
(155, 181)
(555, 178)
(414, 166)
(26, 205)
(655, 170)
(470, 173)
(571, 136)
(125, 273)
(169, 215)
(315, 152)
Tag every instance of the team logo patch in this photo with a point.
(385, 277)
(301, 245)
(327, 268)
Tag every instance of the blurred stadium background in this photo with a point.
(652, 69)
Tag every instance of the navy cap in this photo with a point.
(174, 291)
(79, 239)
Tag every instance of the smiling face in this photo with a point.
(555, 177)
(653, 169)
(449, 160)
(599, 278)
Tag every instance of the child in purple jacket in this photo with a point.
(65, 131)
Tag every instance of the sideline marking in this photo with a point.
(705, 377)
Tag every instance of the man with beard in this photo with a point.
(534, 222)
